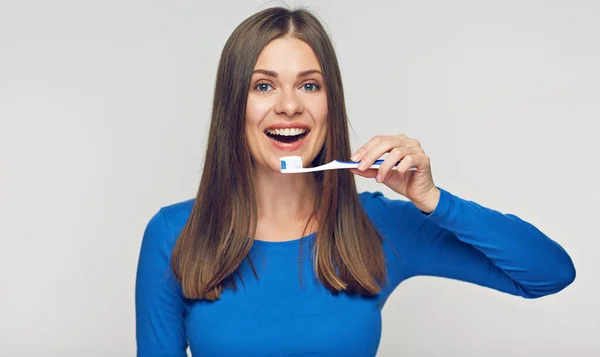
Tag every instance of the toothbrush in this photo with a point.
(293, 165)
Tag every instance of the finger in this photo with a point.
(420, 161)
(370, 173)
(376, 152)
(379, 146)
(386, 146)
(396, 155)
(395, 139)
(359, 154)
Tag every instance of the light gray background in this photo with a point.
(104, 110)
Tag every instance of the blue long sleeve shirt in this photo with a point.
(278, 315)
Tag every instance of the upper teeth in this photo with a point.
(287, 132)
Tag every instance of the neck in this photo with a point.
(286, 199)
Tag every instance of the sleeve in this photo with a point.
(465, 241)
(159, 304)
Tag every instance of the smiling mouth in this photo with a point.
(287, 136)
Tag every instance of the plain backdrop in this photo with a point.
(105, 106)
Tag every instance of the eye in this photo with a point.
(262, 87)
(311, 87)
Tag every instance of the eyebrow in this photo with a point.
(276, 75)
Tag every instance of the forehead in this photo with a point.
(287, 54)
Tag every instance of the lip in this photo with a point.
(287, 126)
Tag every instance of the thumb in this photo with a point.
(370, 173)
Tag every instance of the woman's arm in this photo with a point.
(159, 305)
(463, 240)
(459, 239)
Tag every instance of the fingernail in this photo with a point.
(354, 157)
(378, 178)
(362, 165)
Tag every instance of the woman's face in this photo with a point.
(286, 111)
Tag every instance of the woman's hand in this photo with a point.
(415, 185)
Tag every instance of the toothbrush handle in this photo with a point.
(376, 164)
(379, 162)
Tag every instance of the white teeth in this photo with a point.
(287, 132)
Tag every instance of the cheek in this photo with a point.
(254, 115)
(256, 109)
(319, 112)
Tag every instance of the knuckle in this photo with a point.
(396, 151)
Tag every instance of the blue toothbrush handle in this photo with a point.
(377, 162)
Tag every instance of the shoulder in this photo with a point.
(177, 214)
(395, 217)
(379, 207)
(167, 222)
(400, 224)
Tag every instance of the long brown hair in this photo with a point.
(217, 237)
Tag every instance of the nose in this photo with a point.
(288, 103)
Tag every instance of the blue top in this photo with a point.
(278, 316)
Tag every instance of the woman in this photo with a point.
(268, 264)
